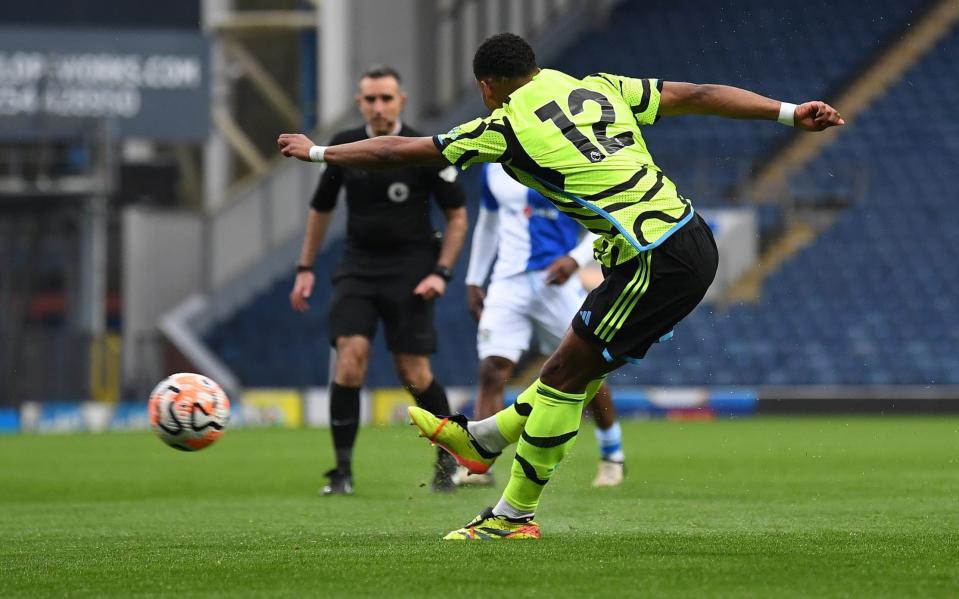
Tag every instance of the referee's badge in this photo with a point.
(398, 192)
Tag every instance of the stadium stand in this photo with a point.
(847, 310)
(781, 49)
(872, 301)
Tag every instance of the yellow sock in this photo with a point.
(549, 433)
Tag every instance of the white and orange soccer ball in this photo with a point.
(189, 411)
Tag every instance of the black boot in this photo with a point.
(341, 483)
(443, 477)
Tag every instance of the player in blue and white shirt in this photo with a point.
(532, 289)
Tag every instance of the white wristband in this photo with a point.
(316, 153)
(787, 114)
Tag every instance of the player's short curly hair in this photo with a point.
(504, 55)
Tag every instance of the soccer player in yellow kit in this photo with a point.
(578, 142)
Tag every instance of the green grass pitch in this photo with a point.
(853, 507)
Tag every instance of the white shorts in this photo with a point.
(522, 304)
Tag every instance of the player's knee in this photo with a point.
(554, 371)
(564, 375)
(573, 366)
(494, 372)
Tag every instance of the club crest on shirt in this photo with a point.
(398, 192)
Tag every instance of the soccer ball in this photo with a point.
(188, 411)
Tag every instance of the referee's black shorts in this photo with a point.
(641, 300)
(361, 298)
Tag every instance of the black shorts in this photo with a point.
(359, 302)
(640, 301)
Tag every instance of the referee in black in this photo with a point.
(392, 269)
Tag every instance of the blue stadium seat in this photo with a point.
(872, 301)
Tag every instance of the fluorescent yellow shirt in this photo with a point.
(578, 142)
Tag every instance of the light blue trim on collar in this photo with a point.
(606, 355)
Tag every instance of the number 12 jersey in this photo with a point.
(578, 142)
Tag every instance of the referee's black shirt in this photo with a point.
(388, 211)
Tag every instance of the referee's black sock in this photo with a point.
(344, 421)
(433, 399)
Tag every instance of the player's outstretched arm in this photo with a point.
(732, 102)
(383, 152)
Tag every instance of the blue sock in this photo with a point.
(611, 443)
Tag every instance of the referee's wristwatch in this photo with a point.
(444, 272)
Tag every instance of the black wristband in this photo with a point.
(303, 268)
(443, 272)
